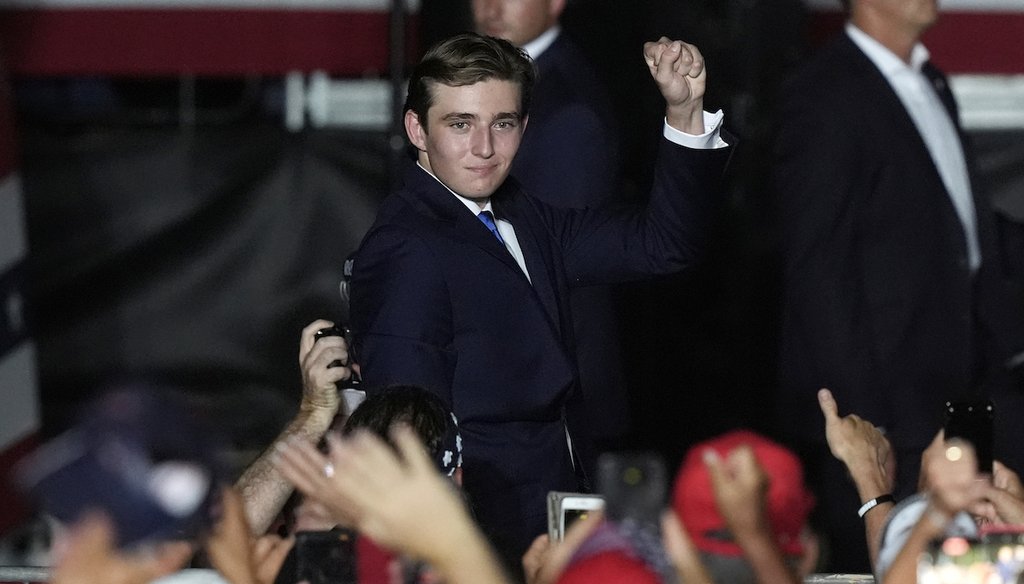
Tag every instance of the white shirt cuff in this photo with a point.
(709, 140)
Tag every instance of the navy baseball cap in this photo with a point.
(138, 455)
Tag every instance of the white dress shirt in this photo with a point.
(932, 119)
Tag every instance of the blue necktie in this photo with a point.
(487, 219)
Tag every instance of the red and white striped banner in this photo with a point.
(350, 37)
(210, 37)
(971, 37)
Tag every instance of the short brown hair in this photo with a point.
(466, 59)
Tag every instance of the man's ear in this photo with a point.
(416, 132)
(526, 119)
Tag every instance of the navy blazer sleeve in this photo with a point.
(667, 235)
(405, 297)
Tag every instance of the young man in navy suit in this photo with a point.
(462, 283)
(570, 158)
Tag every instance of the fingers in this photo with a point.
(171, 557)
(533, 559)
(412, 449)
(312, 515)
(269, 554)
(653, 50)
(325, 479)
(716, 471)
(233, 509)
(91, 536)
(681, 551)
(323, 365)
(367, 461)
(308, 337)
(674, 59)
(559, 554)
(696, 60)
(743, 460)
(1004, 478)
(302, 465)
(828, 405)
(328, 352)
(666, 57)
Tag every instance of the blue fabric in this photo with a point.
(487, 219)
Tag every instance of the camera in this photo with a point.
(564, 509)
(326, 557)
(336, 331)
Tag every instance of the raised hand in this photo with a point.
(678, 68)
(740, 486)
(324, 362)
(860, 446)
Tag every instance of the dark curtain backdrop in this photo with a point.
(193, 253)
(190, 256)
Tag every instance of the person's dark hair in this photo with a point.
(423, 411)
(846, 5)
(466, 59)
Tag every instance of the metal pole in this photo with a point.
(396, 135)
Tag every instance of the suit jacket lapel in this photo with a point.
(431, 198)
(531, 234)
(978, 194)
(892, 111)
(900, 118)
(941, 87)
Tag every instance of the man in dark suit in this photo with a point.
(570, 158)
(894, 294)
(462, 284)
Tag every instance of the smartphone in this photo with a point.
(326, 557)
(344, 332)
(564, 509)
(972, 421)
(635, 487)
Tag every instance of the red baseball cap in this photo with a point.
(610, 566)
(788, 500)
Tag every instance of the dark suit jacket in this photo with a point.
(438, 301)
(879, 302)
(569, 155)
(569, 158)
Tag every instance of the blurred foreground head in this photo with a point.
(139, 456)
(421, 410)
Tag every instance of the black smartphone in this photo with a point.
(635, 487)
(972, 421)
(344, 332)
(326, 557)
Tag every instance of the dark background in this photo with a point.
(191, 250)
